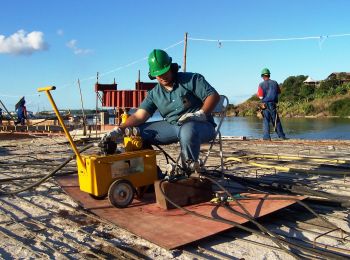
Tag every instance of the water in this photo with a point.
(298, 128)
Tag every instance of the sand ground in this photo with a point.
(43, 222)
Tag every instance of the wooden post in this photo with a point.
(138, 80)
(96, 105)
(82, 109)
(185, 53)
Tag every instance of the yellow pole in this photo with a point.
(70, 139)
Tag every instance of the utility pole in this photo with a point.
(82, 109)
(96, 103)
(185, 52)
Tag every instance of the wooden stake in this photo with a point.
(185, 53)
(82, 109)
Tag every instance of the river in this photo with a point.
(295, 128)
(299, 128)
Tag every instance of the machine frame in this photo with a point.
(116, 176)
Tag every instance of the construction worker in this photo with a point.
(185, 101)
(21, 113)
(268, 91)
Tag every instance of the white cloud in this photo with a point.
(60, 32)
(72, 44)
(22, 42)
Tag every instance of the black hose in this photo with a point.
(292, 188)
(314, 251)
(49, 175)
(32, 176)
(248, 216)
(167, 156)
(300, 203)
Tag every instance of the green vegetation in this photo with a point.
(340, 107)
(331, 97)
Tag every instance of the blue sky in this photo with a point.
(56, 42)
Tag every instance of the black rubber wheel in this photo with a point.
(121, 193)
(101, 197)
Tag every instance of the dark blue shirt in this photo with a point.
(270, 90)
(21, 112)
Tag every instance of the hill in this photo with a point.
(330, 97)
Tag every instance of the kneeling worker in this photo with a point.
(185, 101)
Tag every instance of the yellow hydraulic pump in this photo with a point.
(117, 175)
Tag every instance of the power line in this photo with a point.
(321, 37)
(100, 74)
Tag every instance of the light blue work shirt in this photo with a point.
(188, 94)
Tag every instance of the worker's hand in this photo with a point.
(196, 116)
(262, 106)
(113, 135)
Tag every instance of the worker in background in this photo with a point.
(21, 113)
(0, 116)
(268, 92)
(185, 101)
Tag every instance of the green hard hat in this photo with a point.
(159, 62)
(265, 71)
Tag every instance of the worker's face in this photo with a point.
(166, 79)
(265, 77)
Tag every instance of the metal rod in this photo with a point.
(6, 110)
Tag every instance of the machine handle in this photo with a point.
(69, 137)
(46, 88)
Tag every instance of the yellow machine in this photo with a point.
(117, 175)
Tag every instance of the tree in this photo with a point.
(327, 87)
(306, 92)
(291, 88)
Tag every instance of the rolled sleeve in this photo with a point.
(148, 104)
(202, 88)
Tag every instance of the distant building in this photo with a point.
(343, 77)
(311, 82)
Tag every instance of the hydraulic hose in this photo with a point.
(32, 177)
(297, 201)
(167, 156)
(315, 251)
(296, 158)
(287, 169)
(247, 215)
(291, 187)
(49, 175)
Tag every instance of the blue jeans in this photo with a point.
(271, 115)
(191, 135)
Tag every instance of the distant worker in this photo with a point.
(185, 100)
(268, 91)
(21, 112)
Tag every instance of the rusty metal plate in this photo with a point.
(171, 229)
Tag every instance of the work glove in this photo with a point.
(112, 135)
(196, 116)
